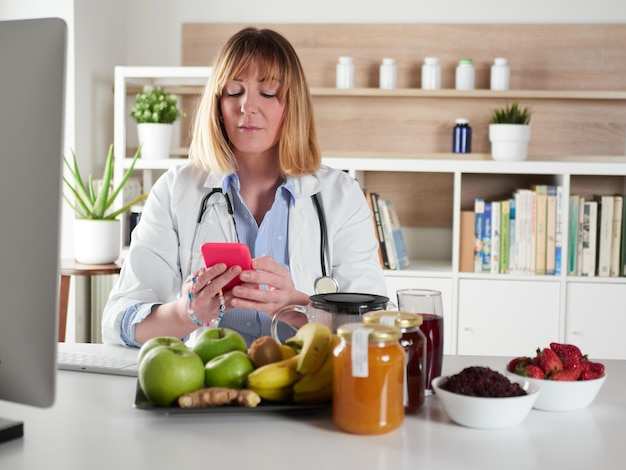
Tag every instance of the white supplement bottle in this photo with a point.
(345, 73)
(388, 74)
(431, 74)
(465, 75)
(500, 74)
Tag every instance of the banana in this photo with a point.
(274, 394)
(317, 387)
(275, 375)
(287, 351)
(315, 340)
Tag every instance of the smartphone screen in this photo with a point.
(231, 253)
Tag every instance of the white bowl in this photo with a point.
(484, 412)
(564, 396)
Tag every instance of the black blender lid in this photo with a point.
(347, 302)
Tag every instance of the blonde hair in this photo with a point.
(266, 51)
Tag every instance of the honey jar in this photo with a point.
(368, 379)
(414, 343)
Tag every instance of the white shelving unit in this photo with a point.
(485, 314)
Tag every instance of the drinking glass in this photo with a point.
(429, 305)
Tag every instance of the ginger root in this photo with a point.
(218, 396)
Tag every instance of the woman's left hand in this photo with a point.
(279, 290)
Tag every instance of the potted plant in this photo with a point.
(155, 113)
(97, 231)
(509, 132)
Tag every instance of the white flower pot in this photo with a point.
(509, 142)
(155, 140)
(96, 241)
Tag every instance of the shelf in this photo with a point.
(482, 94)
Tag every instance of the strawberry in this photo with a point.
(566, 375)
(533, 372)
(569, 354)
(548, 361)
(596, 367)
(520, 362)
(589, 375)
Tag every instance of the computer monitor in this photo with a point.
(32, 86)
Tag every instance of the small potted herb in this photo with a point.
(97, 232)
(509, 132)
(155, 112)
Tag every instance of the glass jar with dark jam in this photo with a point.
(414, 343)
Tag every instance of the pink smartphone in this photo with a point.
(231, 253)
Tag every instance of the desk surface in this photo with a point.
(93, 425)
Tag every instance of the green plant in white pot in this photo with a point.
(155, 113)
(509, 133)
(97, 233)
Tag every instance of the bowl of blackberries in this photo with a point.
(569, 380)
(481, 398)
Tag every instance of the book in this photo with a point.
(605, 235)
(379, 230)
(385, 219)
(551, 230)
(512, 232)
(532, 257)
(523, 234)
(505, 235)
(399, 246)
(466, 242)
(486, 245)
(495, 237)
(572, 245)
(589, 231)
(368, 197)
(479, 213)
(541, 210)
(618, 211)
(579, 242)
(622, 255)
(558, 247)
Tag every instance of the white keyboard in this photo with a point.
(96, 363)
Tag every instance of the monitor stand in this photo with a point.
(10, 430)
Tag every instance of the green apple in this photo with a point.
(228, 370)
(158, 341)
(166, 372)
(214, 342)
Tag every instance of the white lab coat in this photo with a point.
(157, 262)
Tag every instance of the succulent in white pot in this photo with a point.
(97, 232)
(155, 112)
(510, 132)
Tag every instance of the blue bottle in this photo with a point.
(462, 137)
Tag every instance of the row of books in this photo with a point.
(520, 235)
(391, 245)
(597, 245)
(524, 234)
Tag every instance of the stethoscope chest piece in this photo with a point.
(326, 285)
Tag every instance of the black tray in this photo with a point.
(143, 403)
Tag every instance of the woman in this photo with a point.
(255, 151)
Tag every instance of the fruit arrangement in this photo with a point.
(559, 362)
(220, 369)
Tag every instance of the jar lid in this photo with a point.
(431, 60)
(389, 61)
(500, 61)
(398, 319)
(345, 60)
(378, 332)
(466, 61)
(462, 121)
(345, 302)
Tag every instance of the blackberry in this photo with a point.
(479, 381)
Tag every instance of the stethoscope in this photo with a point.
(325, 284)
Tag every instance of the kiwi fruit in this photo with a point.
(265, 350)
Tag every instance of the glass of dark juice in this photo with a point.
(428, 304)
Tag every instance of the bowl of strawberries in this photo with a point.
(568, 379)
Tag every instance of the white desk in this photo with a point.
(94, 425)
